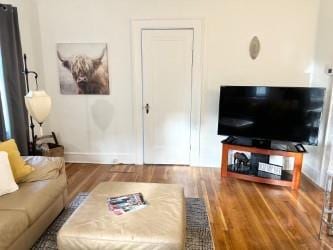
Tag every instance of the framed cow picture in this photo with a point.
(83, 68)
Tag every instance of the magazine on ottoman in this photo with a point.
(126, 203)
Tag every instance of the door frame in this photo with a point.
(138, 25)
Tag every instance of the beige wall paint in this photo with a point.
(285, 28)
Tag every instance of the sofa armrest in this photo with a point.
(45, 168)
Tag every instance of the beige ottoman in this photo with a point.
(160, 225)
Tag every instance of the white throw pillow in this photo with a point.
(7, 181)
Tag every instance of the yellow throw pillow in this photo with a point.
(19, 168)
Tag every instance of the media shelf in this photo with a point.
(286, 175)
(288, 178)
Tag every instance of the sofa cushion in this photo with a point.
(45, 168)
(34, 197)
(7, 182)
(19, 168)
(12, 225)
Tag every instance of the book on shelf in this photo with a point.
(126, 203)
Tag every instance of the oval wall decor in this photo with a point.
(254, 47)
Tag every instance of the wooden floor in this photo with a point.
(243, 215)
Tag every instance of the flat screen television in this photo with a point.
(290, 114)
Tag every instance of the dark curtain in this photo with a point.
(11, 53)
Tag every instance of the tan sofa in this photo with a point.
(26, 213)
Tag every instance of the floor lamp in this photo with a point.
(38, 104)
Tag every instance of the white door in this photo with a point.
(167, 76)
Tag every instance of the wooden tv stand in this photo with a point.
(293, 180)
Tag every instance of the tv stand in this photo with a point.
(263, 143)
(288, 178)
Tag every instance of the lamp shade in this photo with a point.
(38, 104)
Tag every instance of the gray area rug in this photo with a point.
(198, 235)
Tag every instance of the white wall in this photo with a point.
(317, 162)
(286, 29)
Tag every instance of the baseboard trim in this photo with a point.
(115, 158)
(311, 181)
(311, 174)
(99, 158)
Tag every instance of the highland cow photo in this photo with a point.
(83, 68)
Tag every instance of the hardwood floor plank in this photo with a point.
(270, 213)
(242, 215)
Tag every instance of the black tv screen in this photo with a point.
(272, 113)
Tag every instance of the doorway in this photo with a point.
(167, 83)
(167, 53)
